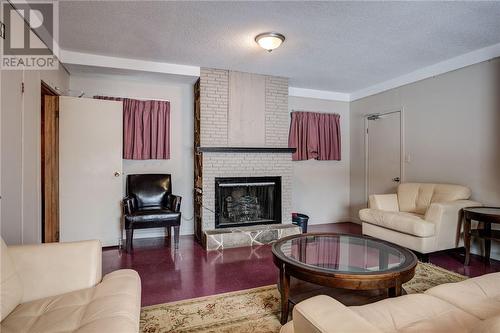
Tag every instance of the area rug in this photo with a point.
(253, 310)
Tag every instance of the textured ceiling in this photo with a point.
(338, 46)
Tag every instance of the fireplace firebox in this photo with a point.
(245, 201)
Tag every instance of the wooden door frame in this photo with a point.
(402, 145)
(47, 206)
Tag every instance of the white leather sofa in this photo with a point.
(57, 287)
(422, 217)
(469, 306)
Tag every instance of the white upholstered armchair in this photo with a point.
(58, 287)
(421, 216)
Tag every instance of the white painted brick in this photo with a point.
(248, 164)
(214, 93)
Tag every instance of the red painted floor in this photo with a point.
(169, 275)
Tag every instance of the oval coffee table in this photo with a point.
(344, 261)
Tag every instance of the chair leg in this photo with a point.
(130, 236)
(176, 236)
(169, 231)
(423, 257)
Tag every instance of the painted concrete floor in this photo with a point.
(168, 275)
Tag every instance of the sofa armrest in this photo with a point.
(56, 268)
(116, 304)
(387, 202)
(447, 217)
(323, 314)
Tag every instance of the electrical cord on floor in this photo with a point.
(210, 210)
(198, 190)
(192, 217)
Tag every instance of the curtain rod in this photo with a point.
(325, 112)
(131, 97)
(334, 113)
(82, 93)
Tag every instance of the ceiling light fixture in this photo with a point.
(270, 40)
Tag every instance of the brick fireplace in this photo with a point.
(218, 165)
(241, 131)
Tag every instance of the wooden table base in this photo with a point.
(299, 291)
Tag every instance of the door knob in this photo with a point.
(397, 179)
(117, 174)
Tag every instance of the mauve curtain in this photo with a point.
(315, 135)
(146, 128)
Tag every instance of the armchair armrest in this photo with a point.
(174, 202)
(56, 268)
(128, 205)
(387, 202)
(323, 314)
(447, 216)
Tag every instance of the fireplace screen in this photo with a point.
(243, 201)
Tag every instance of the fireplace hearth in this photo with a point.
(247, 201)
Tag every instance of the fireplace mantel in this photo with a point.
(245, 150)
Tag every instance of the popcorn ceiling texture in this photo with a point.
(214, 86)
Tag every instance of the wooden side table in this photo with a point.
(486, 215)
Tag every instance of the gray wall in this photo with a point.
(180, 164)
(320, 189)
(451, 131)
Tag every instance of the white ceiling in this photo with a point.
(335, 46)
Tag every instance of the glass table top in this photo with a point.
(343, 253)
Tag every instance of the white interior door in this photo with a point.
(90, 169)
(384, 142)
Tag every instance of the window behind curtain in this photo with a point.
(315, 136)
(146, 128)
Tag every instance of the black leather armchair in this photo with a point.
(151, 204)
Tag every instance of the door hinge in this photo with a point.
(22, 87)
(57, 114)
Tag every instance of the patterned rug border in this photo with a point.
(253, 310)
(203, 298)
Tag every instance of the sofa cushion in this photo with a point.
(151, 218)
(111, 306)
(416, 197)
(388, 202)
(11, 285)
(407, 223)
(491, 325)
(479, 296)
(323, 314)
(52, 269)
(416, 313)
